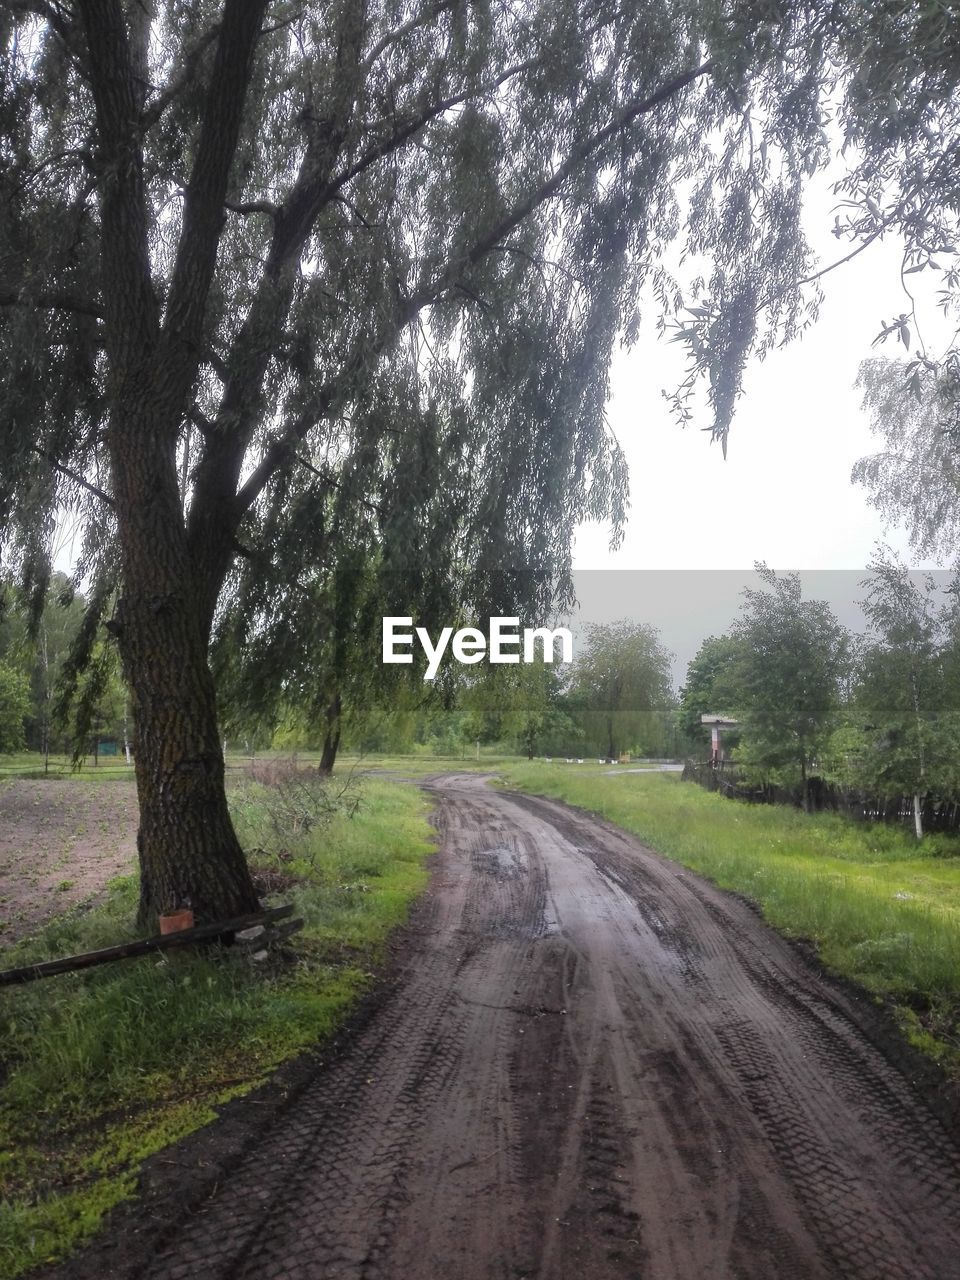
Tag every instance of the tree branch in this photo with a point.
(283, 447)
(130, 305)
(75, 477)
(177, 85)
(419, 121)
(254, 206)
(523, 209)
(405, 29)
(204, 200)
(56, 19)
(52, 300)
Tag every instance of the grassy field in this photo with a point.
(101, 1069)
(882, 910)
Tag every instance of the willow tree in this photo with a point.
(244, 243)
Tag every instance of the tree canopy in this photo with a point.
(621, 676)
(787, 676)
(914, 477)
(278, 279)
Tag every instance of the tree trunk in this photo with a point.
(917, 817)
(331, 741)
(189, 853)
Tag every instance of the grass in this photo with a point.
(100, 1069)
(882, 910)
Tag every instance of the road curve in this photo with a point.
(596, 1066)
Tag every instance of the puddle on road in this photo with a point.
(502, 861)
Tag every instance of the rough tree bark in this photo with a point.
(189, 853)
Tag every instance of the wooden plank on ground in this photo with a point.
(140, 946)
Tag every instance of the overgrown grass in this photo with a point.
(101, 1069)
(882, 909)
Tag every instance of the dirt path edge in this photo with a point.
(874, 1016)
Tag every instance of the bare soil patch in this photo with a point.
(61, 841)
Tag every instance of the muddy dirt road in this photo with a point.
(596, 1066)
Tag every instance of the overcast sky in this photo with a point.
(784, 493)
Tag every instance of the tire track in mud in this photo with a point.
(596, 1066)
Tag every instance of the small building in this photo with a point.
(718, 726)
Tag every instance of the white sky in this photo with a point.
(784, 493)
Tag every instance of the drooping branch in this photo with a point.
(282, 449)
(407, 129)
(405, 29)
(448, 277)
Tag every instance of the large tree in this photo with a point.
(621, 678)
(786, 679)
(708, 687)
(251, 251)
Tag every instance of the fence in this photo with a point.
(938, 814)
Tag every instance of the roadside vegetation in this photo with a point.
(100, 1069)
(882, 908)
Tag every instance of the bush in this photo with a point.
(281, 809)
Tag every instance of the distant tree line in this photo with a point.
(831, 717)
(616, 697)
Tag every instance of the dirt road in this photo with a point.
(596, 1066)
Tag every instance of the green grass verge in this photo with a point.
(100, 1069)
(882, 909)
